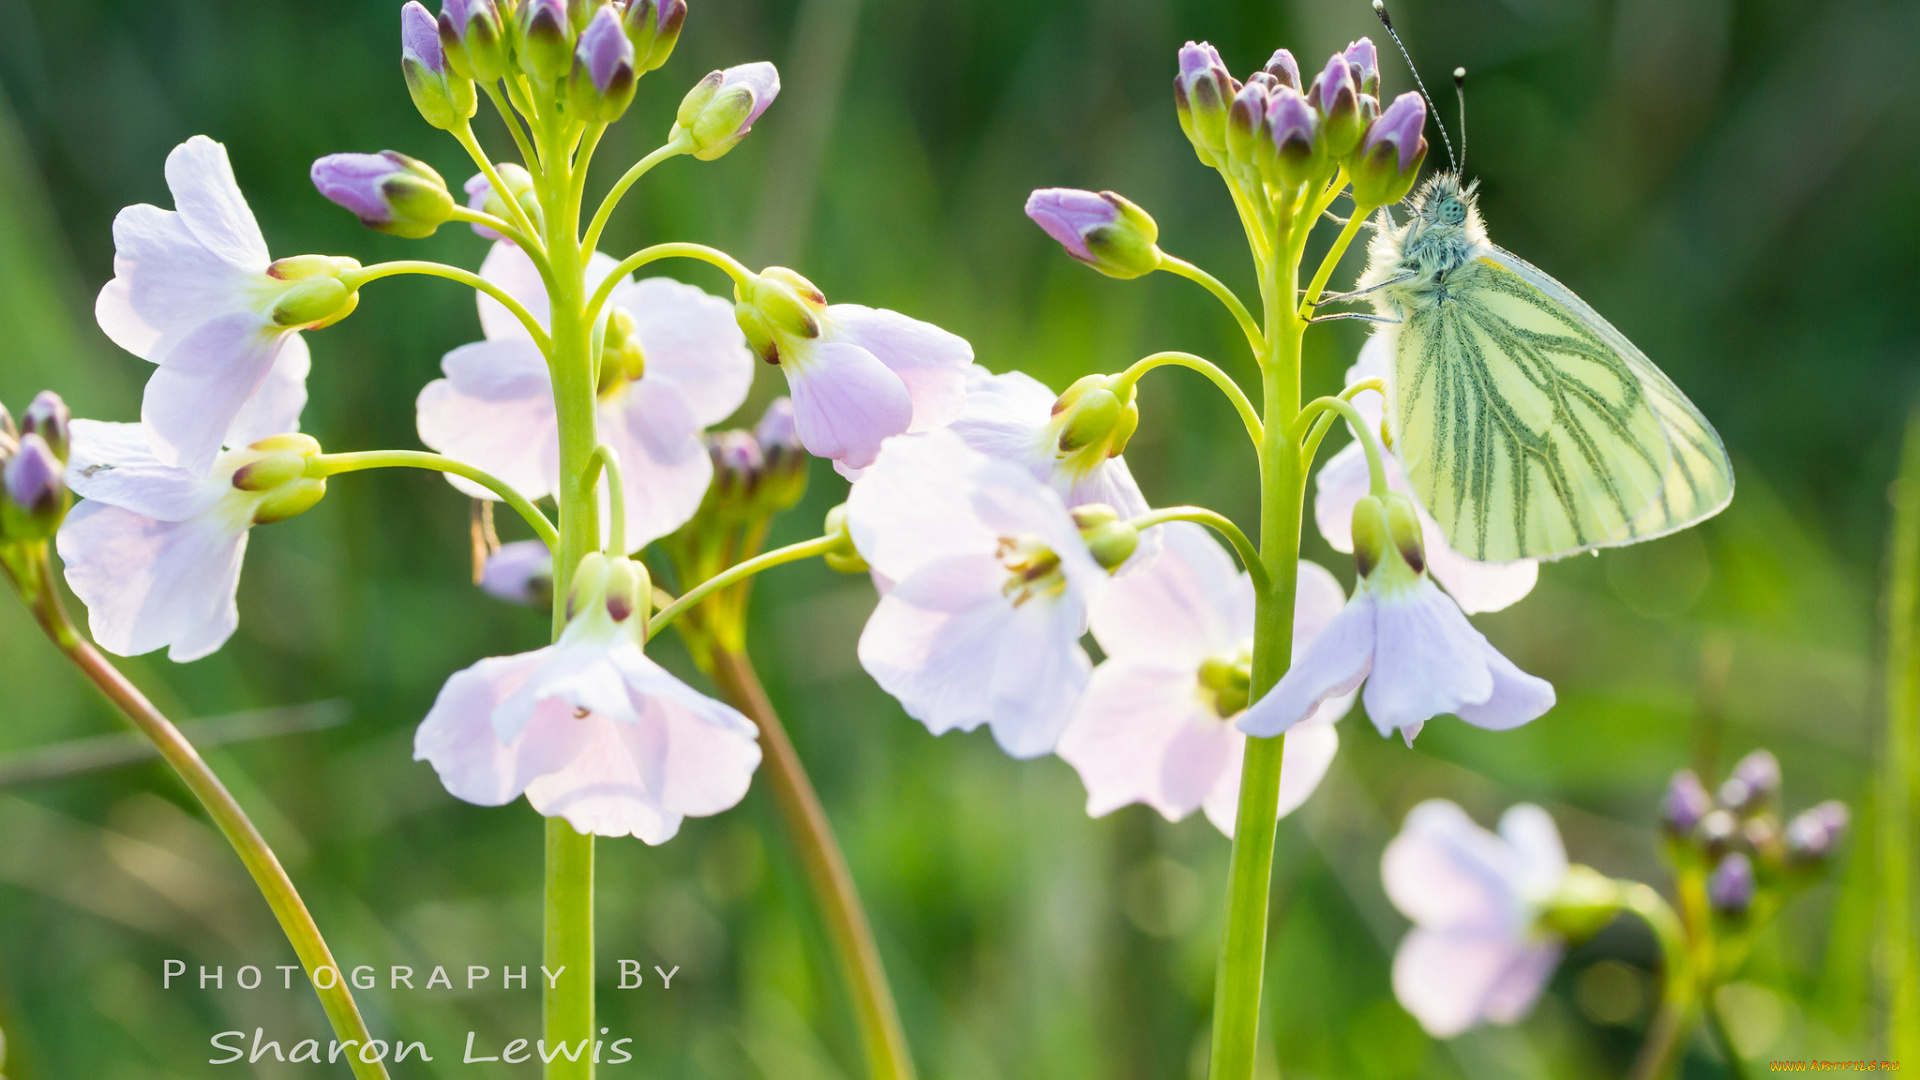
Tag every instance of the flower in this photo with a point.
(154, 551)
(601, 85)
(1284, 69)
(1103, 230)
(1201, 93)
(520, 573)
(32, 496)
(474, 37)
(1418, 655)
(721, 108)
(673, 363)
(654, 27)
(589, 728)
(1478, 952)
(1011, 417)
(1363, 63)
(1155, 724)
(1296, 149)
(388, 191)
(1391, 152)
(858, 375)
(1334, 94)
(1476, 586)
(991, 584)
(444, 97)
(480, 196)
(195, 292)
(1685, 803)
(1731, 886)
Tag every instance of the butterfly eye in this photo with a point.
(1452, 211)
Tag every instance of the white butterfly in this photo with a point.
(1528, 425)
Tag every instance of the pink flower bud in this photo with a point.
(1391, 153)
(1102, 229)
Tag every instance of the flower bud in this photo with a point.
(589, 586)
(1295, 151)
(1391, 153)
(1684, 804)
(1813, 835)
(601, 85)
(1109, 540)
(721, 108)
(1718, 832)
(445, 98)
(1731, 886)
(474, 38)
(777, 304)
(48, 417)
(276, 468)
(543, 32)
(1585, 902)
(654, 26)
(784, 481)
(737, 467)
(520, 573)
(35, 493)
(1363, 64)
(1336, 98)
(315, 303)
(1201, 93)
(581, 12)
(388, 191)
(1403, 527)
(1094, 424)
(844, 557)
(629, 591)
(1754, 782)
(1103, 230)
(519, 182)
(1245, 118)
(1284, 69)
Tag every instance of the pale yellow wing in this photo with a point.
(1531, 428)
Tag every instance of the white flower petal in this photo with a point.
(1304, 761)
(915, 505)
(511, 269)
(605, 789)
(1126, 739)
(148, 584)
(1516, 699)
(1178, 608)
(1317, 601)
(1476, 586)
(510, 573)
(930, 361)
(458, 736)
(1443, 870)
(1534, 838)
(1038, 674)
(692, 342)
(1444, 978)
(933, 640)
(846, 403)
(494, 411)
(1513, 994)
(1330, 665)
(203, 383)
(114, 464)
(209, 201)
(275, 407)
(1338, 487)
(165, 282)
(1428, 659)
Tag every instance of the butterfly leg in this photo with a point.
(1353, 315)
(1341, 298)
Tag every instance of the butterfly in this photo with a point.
(1528, 426)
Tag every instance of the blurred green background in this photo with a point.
(1732, 183)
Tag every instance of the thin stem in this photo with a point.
(826, 869)
(512, 120)
(677, 249)
(504, 228)
(1678, 998)
(605, 457)
(333, 464)
(1370, 442)
(620, 188)
(1248, 418)
(1226, 296)
(1717, 1024)
(582, 159)
(261, 863)
(1900, 783)
(1332, 260)
(1220, 523)
(1310, 446)
(357, 278)
(464, 134)
(806, 549)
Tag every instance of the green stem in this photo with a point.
(619, 191)
(605, 457)
(1369, 441)
(1248, 418)
(1213, 285)
(1220, 523)
(806, 549)
(1679, 1004)
(261, 863)
(826, 869)
(1717, 1024)
(334, 464)
(1332, 260)
(464, 134)
(357, 278)
(677, 249)
(512, 120)
(504, 228)
(1900, 783)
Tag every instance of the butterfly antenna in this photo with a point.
(1460, 91)
(1380, 9)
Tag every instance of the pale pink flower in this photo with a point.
(1417, 654)
(495, 408)
(1476, 586)
(1011, 417)
(1478, 952)
(592, 730)
(1150, 729)
(991, 581)
(520, 573)
(195, 292)
(154, 551)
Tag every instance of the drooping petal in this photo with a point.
(148, 584)
(934, 638)
(1533, 836)
(1428, 660)
(1513, 994)
(691, 342)
(1476, 586)
(458, 736)
(1178, 608)
(203, 383)
(1038, 674)
(1516, 699)
(846, 403)
(165, 282)
(209, 202)
(1129, 739)
(114, 464)
(1308, 754)
(494, 410)
(1442, 870)
(712, 749)
(931, 362)
(1332, 664)
(664, 463)
(605, 789)
(915, 505)
(1445, 977)
(275, 408)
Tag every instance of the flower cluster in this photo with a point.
(1736, 836)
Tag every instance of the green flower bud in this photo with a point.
(33, 491)
(1391, 153)
(589, 585)
(388, 191)
(445, 98)
(776, 306)
(601, 84)
(1094, 423)
(654, 28)
(1403, 526)
(1229, 676)
(844, 557)
(721, 108)
(474, 37)
(1110, 540)
(276, 467)
(317, 298)
(1583, 905)
(544, 38)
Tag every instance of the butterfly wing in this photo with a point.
(1531, 428)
